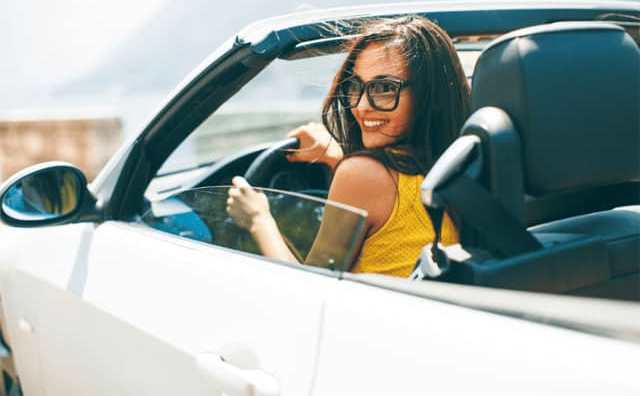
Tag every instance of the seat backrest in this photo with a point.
(557, 111)
(572, 92)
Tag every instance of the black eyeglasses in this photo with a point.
(383, 93)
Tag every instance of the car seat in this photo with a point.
(554, 142)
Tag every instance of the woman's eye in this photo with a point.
(383, 88)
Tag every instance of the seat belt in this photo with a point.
(501, 233)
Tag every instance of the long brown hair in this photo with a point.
(439, 89)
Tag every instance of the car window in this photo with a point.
(283, 96)
(200, 214)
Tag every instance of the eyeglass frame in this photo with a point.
(344, 99)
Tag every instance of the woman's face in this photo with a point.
(380, 128)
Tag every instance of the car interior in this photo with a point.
(558, 133)
(558, 149)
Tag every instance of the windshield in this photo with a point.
(200, 214)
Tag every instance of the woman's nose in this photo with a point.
(363, 104)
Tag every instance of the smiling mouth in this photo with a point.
(372, 125)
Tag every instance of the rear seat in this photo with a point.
(620, 233)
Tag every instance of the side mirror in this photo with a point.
(45, 194)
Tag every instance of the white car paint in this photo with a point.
(33, 255)
(154, 308)
(140, 312)
(401, 344)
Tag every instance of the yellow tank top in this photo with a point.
(394, 248)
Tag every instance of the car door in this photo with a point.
(165, 303)
(142, 311)
(426, 338)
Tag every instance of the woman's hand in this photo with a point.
(248, 208)
(316, 145)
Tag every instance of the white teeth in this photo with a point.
(373, 123)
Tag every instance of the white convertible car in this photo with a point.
(140, 284)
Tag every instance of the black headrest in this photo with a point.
(573, 92)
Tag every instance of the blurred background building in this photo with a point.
(86, 141)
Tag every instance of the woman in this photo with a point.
(395, 105)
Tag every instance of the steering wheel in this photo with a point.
(270, 161)
(268, 167)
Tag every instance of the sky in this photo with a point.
(119, 57)
(51, 40)
(53, 49)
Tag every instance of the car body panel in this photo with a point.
(25, 270)
(445, 349)
(565, 311)
(439, 352)
(108, 325)
(128, 297)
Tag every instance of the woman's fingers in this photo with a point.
(307, 144)
(294, 132)
(240, 181)
(244, 204)
(300, 131)
(313, 138)
(241, 184)
(234, 192)
(243, 194)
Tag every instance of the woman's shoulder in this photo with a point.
(363, 168)
(365, 183)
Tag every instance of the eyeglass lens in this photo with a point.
(382, 94)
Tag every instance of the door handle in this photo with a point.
(234, 381)
(25, 326)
